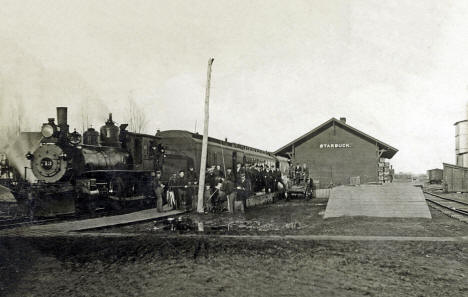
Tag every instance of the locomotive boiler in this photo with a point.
(110, 168)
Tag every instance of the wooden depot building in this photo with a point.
(338, 154)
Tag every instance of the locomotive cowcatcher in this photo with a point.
(111, 168)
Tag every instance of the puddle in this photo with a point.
(183, 225)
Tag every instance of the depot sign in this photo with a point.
(335, 145)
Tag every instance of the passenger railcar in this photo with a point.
(183, 149)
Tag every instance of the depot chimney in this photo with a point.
(343, 120)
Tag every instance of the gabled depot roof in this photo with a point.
(388, 152)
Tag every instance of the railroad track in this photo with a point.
(453, 205)
(27, 221)
(24, 221)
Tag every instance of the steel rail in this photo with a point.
(13, 223)
(445, 198)
(459, 211)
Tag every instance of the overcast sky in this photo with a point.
(396, 70)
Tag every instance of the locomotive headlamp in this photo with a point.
(47, 130)
(29, 156)
(63, 156)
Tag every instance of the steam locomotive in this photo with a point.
(111, 168)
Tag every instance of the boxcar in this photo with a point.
(455, 178)
(435, 176)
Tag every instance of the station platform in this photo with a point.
(101, 222)
(387, 201)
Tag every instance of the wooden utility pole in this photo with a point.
(201, 182)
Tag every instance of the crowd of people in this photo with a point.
(222, 187)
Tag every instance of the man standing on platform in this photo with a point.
(268, 180)
(305, 172)
(227, 192)
(239, 171)
(192, 180)
(181, 186)
(158, 188)
(244, 189)
(218, 172)
(230, 175)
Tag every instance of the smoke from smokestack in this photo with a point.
(24, 143)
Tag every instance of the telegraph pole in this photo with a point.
(201, 183)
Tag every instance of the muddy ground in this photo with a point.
(301, 217)
(159, 262)
(156, 266)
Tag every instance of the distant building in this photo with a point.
(339, 154)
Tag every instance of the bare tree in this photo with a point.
(15, 125)
(136, 116)
(84, 115)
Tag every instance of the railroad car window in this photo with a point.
(151, 149)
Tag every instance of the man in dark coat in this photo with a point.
(230, 175)
(228, 189)
(181, 186)
(192, 176)
(297, 174)
(158, 189)
(218, 172)
(192, 180)
(278, 179)
(244, 189)
(239, 170)
(210, 178)
(268, 180)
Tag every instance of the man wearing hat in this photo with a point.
(158, 190)
(244, 189)
(230, 175)
(192, 180)
(238, 171)
(182, 197)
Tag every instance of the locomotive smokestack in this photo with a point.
(62, 118)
